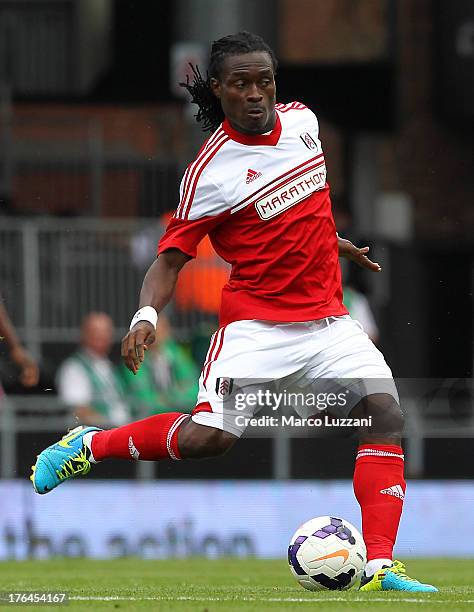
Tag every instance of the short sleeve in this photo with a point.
(185, 235)
(201, 209)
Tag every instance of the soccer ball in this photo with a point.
(327, 553)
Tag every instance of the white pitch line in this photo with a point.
(272, 599)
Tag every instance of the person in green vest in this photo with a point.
(169, 380)
(88, 381)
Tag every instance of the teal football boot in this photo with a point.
(59, 462)
(394, 578)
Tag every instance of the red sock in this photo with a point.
(379, 487)
(150, 439)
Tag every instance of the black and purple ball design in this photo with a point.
(327, 553)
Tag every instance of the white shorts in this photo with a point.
(325, 356)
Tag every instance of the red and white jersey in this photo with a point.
(264, 201)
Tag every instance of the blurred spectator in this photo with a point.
(88, 381)
(29, 372)
(167, 379)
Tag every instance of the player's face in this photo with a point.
(246, 89)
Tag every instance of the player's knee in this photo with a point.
(382, 413)
(199, 441)
(391, 417)
(212, 442)
(396, 418)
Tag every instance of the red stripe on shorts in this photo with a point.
(216, 355)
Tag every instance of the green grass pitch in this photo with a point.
(202, 585)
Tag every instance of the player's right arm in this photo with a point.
(157, 290)
(202, 208)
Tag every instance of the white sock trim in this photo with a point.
(374, 565)
(86, 440)
(173, 428)
(369, 452)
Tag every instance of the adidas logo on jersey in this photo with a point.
(252, 175)
(395, 491)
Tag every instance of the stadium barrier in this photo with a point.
(56, 271)
(214, 519)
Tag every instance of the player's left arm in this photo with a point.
(346, 248)
(356, 254)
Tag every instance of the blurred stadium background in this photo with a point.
(94, 136)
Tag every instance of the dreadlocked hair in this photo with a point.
(210, 112)
(209, 108)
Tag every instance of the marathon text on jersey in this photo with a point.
(296, 190)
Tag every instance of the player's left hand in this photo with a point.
(357, 255)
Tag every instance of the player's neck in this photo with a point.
(269, 138)
(267, 129)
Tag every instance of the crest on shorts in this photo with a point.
(308, 141)
(224, 386)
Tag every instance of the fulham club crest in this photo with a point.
(224, 386)
(308, 141)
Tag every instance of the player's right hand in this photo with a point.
(135, 343)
